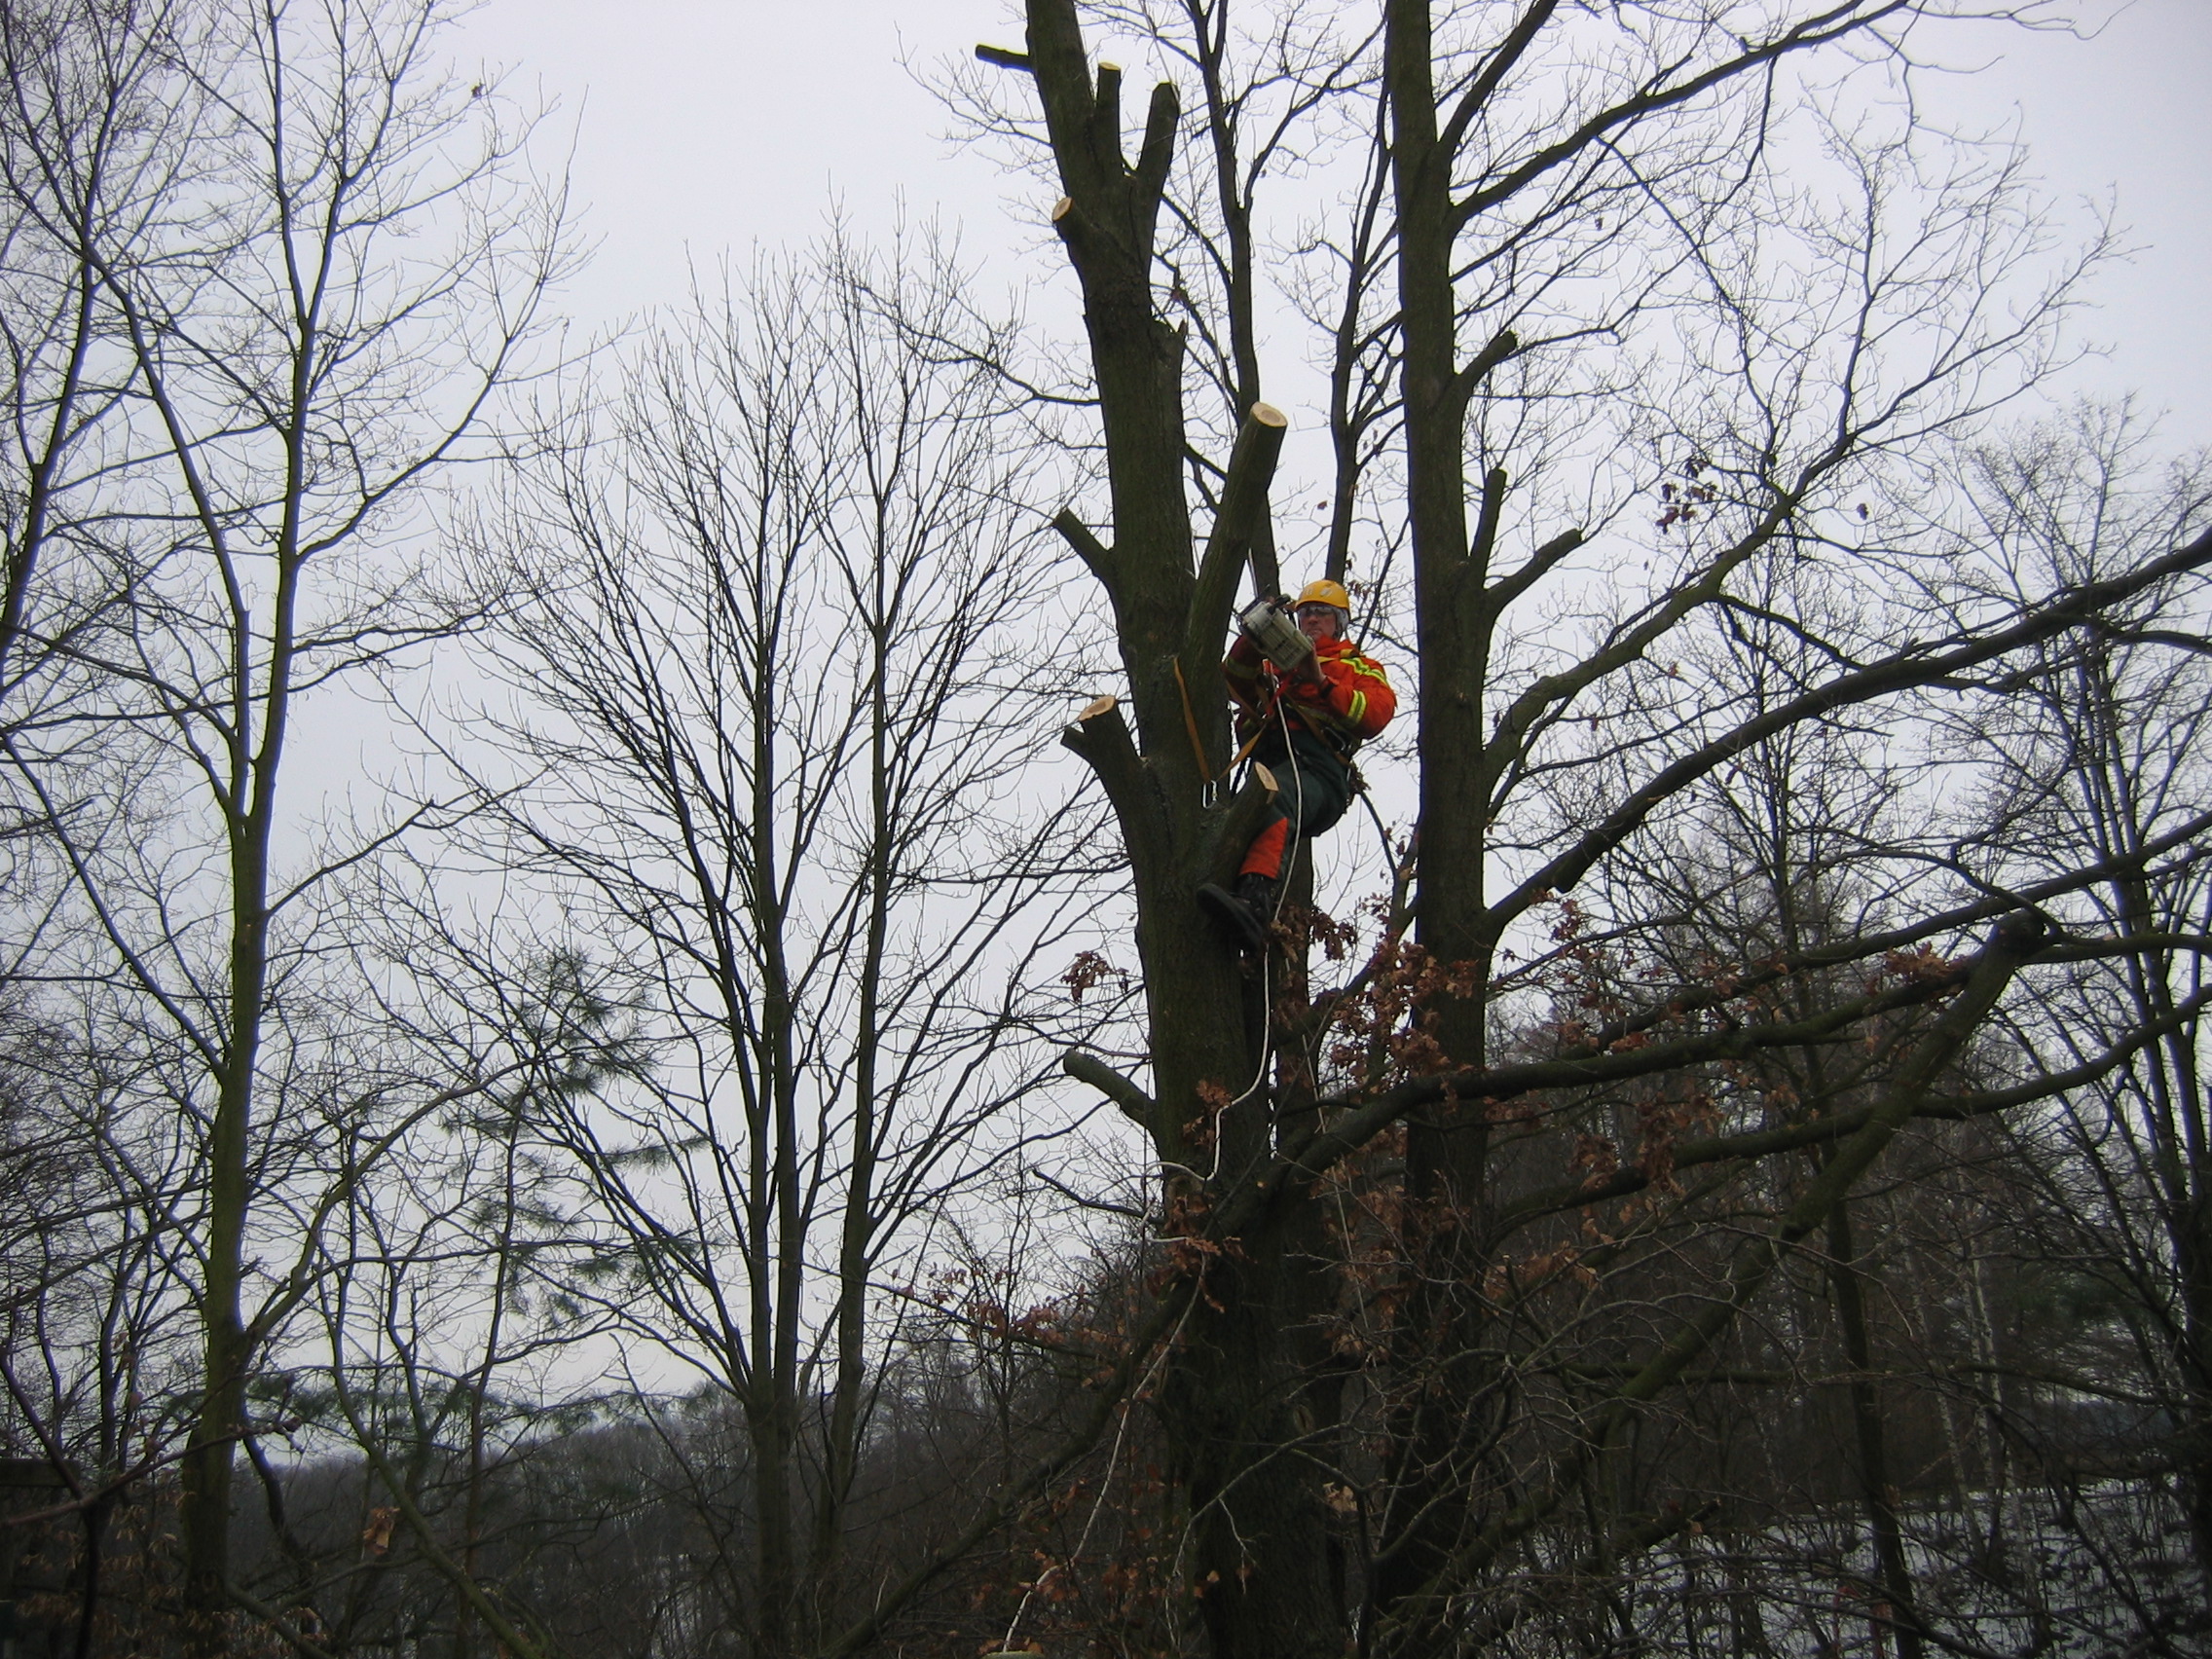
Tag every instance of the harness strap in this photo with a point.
(1191, 725)
(1251, 742)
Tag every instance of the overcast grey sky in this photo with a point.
(706, 125)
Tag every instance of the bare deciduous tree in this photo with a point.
(292, 267)
(2100, 760)
(769, 633)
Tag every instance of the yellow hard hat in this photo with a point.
(1326, 592)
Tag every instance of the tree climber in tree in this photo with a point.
(1303, 725)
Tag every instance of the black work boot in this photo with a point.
(1245, 913)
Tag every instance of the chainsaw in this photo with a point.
(1268, 626)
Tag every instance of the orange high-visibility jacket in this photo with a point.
(1352, 704)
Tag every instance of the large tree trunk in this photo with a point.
(1248, 1410)
(1233, 1400)
(1440, 1368)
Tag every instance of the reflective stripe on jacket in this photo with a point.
(1352, 704)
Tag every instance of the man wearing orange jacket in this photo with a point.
(1309, 725)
